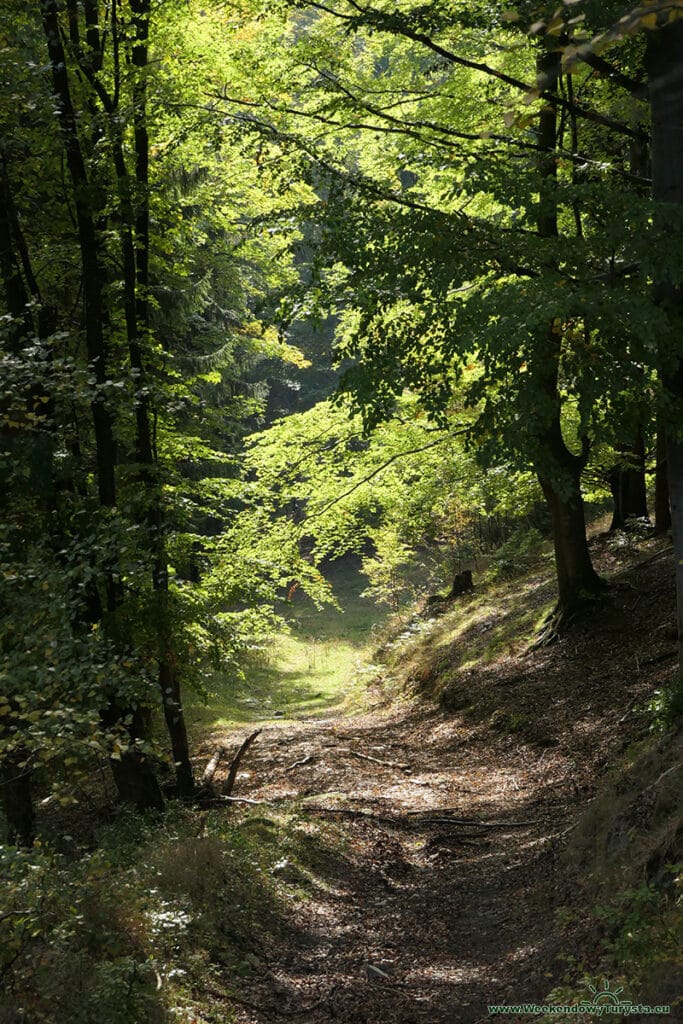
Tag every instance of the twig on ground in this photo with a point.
(489, 825)
(299, 764)
(667, 772)
(279, 1011)
(403, 821)
(221, 801)
(375, 760)
(644, 561)
(660, 657)
(468, 821)
(444, 810)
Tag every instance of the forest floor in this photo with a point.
(418, 858)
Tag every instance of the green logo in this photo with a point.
(607, 996)
(606, 1002)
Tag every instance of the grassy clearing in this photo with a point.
(314, 671)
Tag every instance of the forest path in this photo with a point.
(377, 914)
(404, 918)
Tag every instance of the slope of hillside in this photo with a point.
(515, 842)
(492, 826)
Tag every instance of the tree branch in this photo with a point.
(366, 479)
(393, 25)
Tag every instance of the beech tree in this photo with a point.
(664, 33)
(470, 227)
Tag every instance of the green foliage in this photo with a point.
(666, 705)
(146, 926)
(640, 928)
(72, 945)
(639, 948)
(80, 572)
(517, 554)
(401, 494)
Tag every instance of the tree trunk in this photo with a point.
(627, 483)
(138, 330)
(664, 58)
(133, 773)
(576, 577)
(675, 460)
(15, 781)
(93, 277)
(662, 506)
(17, 800)
(558, 469)
(134, 776)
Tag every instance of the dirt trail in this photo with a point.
(424, 921)
(407, 919)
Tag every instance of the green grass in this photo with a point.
(313, 671)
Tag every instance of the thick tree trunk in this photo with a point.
(662, 506)
(133, 773)
(664, 58)
(558, 469)
(576, 577)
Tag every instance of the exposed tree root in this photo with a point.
(563, 616)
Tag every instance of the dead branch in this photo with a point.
(210, 770)
(298, 764)
(664, 774)
(475, 822)
(234, 767)
(465, 822)
(644, 561)
(655, 660)
(278, 1011)
(396, 821)
(222, 801)
(444, 810)
(375, 760)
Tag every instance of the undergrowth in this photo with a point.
(160, 922)
(639, 954)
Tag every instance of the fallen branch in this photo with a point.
(278, 1011)
(210, 770)
(17, 913)
(664, 774)
(659, 657)
(644, 561)
(395, 821)
(234, 767)
(489, 825)
(298, 764)
(443, 810)
(466, 841)
(468, 821)
(347, 812)
(221, 801)
(375, 760)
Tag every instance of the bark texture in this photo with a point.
(559, 469)
(664, 59)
